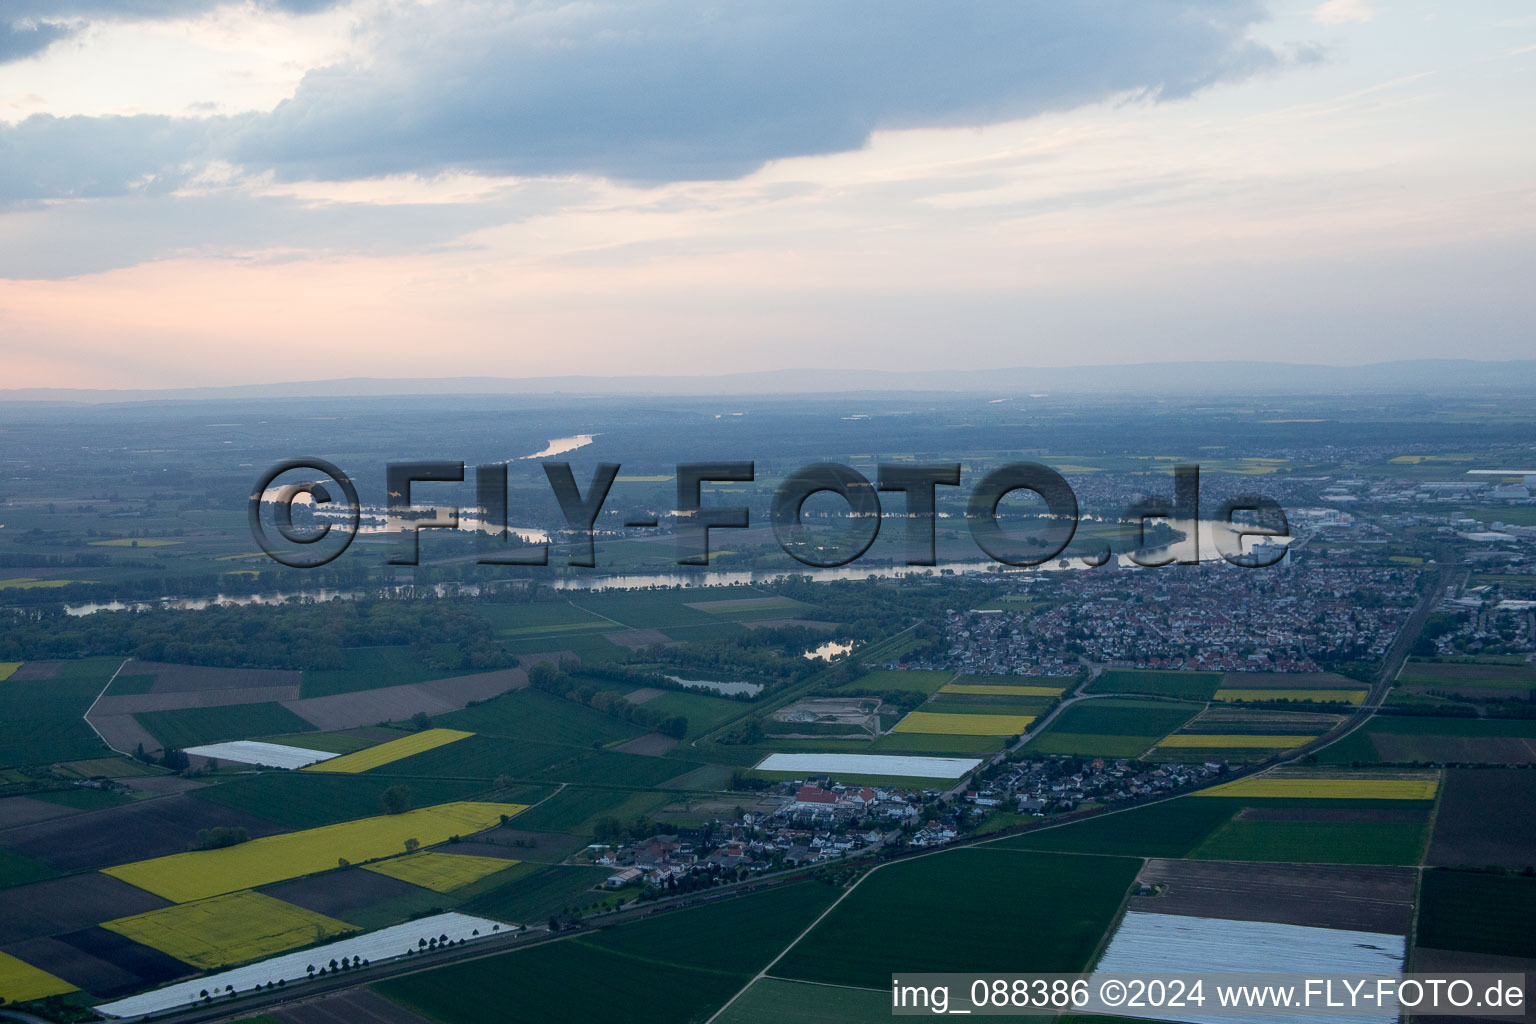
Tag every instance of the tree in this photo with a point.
(412, 845)
(421, 720)
(396, 799)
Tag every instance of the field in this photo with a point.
(979, 909)
(440, 872)
(1326, 789)
(20, 981)
(1456, 675)
(1170, 829)
(1318, 695)
(1001, 689)
(8, 667)
(184, 877)
(576, 808)
(1402, 739)
(773, 1001)
(1215, 741)
(42, 705)
(1369, 899)
(390, 752)
(690, 961)
(534, 898)
(1487, 818)
(18, 870)
(842, 765)
(533, 715)
(910, 682)
(1112, 727)
(1316, 842)
(369, 668)
(299, 800)
(192, 727)
(228, 930)
(935, 723)
(1188, 685)
(1478, 913)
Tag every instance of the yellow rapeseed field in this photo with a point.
(198, 874)
(440, 872)
(7, 668)
(1342, 696)
(1003, 689)
(1326, 789)
(228, 930)
(394, 750)
(1235, 741)
(20, 981)
(934, 723)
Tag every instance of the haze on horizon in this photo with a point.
(195, 192)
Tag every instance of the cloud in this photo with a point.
(1339, 12)
(650, 91)
(28, 27)
(47, 157)
(25, 38)
(658, 90)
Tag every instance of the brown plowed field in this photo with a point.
(1487, 818)
(337, 892)
(1368, 899)
(181, 678)
(68, 904)
(117, 835)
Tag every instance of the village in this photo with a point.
(821, 820)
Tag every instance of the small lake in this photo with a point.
(729, 689)
(829, 650)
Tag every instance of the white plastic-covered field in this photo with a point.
(870, 764)
(375, 947)
(268, 755)
(1155, 944)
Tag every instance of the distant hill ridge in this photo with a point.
(1405, 376)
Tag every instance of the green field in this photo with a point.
(772, 1001)
(190, 727)
(1479, 913)
(1170, 829)
(18, 870)
(531, 900)
(1314, 842)
(675, 967)
(608, 768)
(485, 757)
(576, 808)
(704, 713)
(300, 800)
(977, 909)
(1188, 685)
(535, 715)
(368, 668)
(1480, 674)
(43, 718)
(933, 743)
(1402, 739)
(911, 682)
(1124, 717)
(1112, 727)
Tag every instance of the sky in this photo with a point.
(195, 192)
